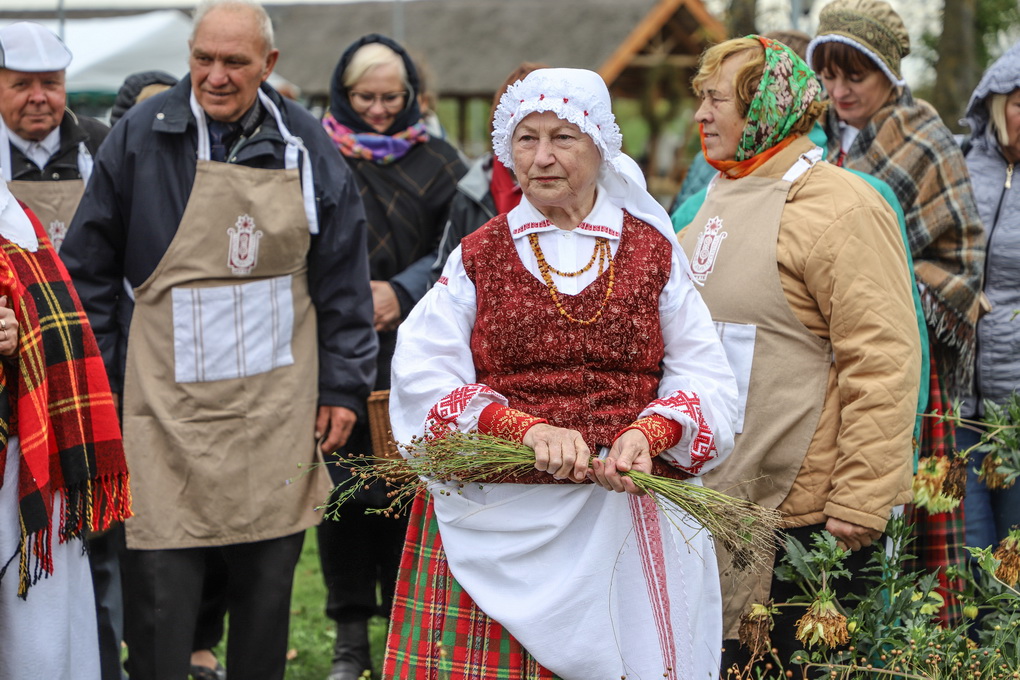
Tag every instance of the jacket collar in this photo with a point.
(175, 117)
(475, 183)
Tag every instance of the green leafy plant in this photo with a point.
(893, 631)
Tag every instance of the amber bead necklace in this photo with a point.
(603, 253)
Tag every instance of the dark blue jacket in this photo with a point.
(133, 204)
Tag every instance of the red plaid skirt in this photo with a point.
(939, 537)
(436, 630)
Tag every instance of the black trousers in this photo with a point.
(105, 552)
(783, 635)
(163, 600)
(360, 553)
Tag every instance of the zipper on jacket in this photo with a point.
(998, 209)
(1002, 196)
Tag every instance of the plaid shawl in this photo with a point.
(907, 145)
(56, 398)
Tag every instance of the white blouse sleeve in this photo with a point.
(433, 374)
(698, 389)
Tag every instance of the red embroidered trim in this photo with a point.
(703, 446)
(531, 225)
(598, 228)
(442, 417)
(661, 432)
(443, 281)
(506, 423)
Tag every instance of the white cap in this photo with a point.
(32, 48)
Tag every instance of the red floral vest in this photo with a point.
(593, 378)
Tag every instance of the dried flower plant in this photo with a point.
(1008, 554)
(823, 623)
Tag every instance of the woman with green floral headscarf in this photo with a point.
(805, 273)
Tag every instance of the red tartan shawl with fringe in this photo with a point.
(55, 397)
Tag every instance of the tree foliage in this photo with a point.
(956, 70)
(741, 18)
(970, 40)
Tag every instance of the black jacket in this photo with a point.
(63, 165)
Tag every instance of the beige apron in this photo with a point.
(54, 203)
(781, 366)
(220, 392)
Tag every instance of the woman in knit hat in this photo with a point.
(876, 126)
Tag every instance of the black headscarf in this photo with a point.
(133, 86)
(340, 103)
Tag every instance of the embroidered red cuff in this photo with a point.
(506, 423)
(661, 432)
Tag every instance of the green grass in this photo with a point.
(311, 633)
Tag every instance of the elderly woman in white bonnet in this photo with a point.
(569, 324)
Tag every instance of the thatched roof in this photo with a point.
(469, 45)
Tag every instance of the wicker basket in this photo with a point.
(383, 445)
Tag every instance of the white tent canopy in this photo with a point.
(107, 50)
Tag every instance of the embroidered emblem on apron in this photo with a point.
(707, 249)
(57, 231)
(244, 246)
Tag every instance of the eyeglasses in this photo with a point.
(391, 101)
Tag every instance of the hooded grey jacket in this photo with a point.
(997, 193)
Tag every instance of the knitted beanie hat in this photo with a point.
(871, 26)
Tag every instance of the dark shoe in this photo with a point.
(345, 673)
(205, 673)
(351, 655)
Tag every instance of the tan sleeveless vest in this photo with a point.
(781, 366)
(220, 392)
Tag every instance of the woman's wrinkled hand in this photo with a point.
(558, 451)
(629, 452)
(8, 328)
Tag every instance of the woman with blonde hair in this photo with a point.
(406, 178)
(804, 271)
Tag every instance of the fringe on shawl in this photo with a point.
(95, 505)
(954, 341)
(74, 432)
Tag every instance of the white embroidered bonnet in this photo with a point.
(575, 95)
(581, 97)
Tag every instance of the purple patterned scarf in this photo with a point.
(381, 149)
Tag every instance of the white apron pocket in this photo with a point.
(232, 331)
(738, 342)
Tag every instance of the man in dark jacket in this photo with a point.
(230, 297)
(45, 149)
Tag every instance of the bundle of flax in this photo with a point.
(746, 530)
